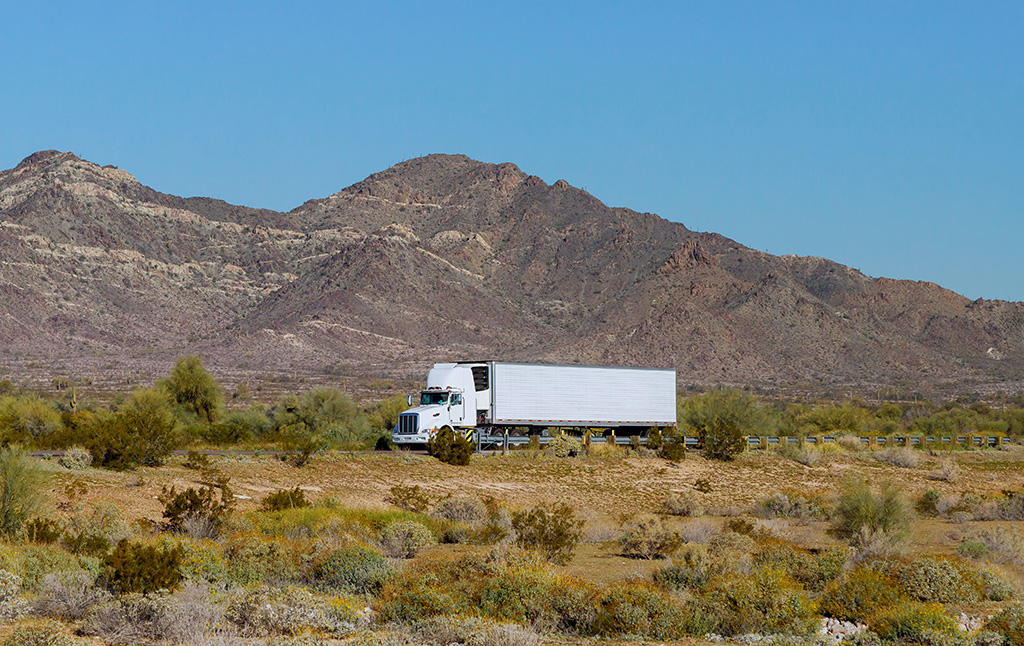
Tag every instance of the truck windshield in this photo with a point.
(433, 398)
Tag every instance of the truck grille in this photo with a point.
(408, 424)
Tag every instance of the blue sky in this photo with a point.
(886, 136)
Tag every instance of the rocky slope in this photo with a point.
(443, 257)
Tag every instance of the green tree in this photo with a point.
(321, 417)
(734, 407)
(143, 431)
(21, 489)
(721, 439)
(194, 389)
(383, 415)
(27, 419)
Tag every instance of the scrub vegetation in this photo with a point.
(125, 544)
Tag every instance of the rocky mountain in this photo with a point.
(441, 258)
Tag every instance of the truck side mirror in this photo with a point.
(409, 400)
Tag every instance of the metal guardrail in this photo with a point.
(756, 442)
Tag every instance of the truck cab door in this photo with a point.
(457, 409)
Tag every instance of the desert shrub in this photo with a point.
(290, 611)
(947, 471)
(505, 633)
(691, 569)
(355, 569)
(972, 549)
(565, 446)
(649, 537)
(12, 605)
(1005, 544)
(134, 567)
(33, 562)
(462, 510)
(672, 450)
(802, 455)
(404, 538)
(640, 611)
(201, 559)
(143, 431)
(553, 533)
(75, 458)
(794, 504)
(813, 571)
(39, 632)
(997, 586)
(912, 623)
(928, 503)
(721, 439)
(433, 586)
(903, 457)
(1010, 624)
(409, 498)
(450, 447)
(834, 418)
(700, 531)
(859, 509)
(202, 504)
(68, 596)
(767, 601)
(284, 499)
(682, 503)
(21, 487)
(197, 461)
(859, 594)
(27, 419)
(186, 616)
(43, 530)
(253, 559)
(238, 426)
(941, 580)
(850, 443)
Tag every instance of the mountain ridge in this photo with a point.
(442, 257)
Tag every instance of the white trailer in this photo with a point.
(493, 398)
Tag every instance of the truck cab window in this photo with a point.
(456, 399)
(433, 399)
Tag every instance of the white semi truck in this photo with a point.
(493, 398)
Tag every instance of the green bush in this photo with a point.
(284, 499)
(410, 498)
(565, 446)
(356, 569)
(450, 447)
(972, 549)
(202, 560)
(554, 533)
(143, 431)
(253, 559)
(404, 538)
(12, 604)
(861, 511)
(640, 611)
(859, 595)
(721, 439)
(75, 458)
(39, 632)
(692, 568)
(672, 450)
(34, 562)
(133, 567)
(767, 601)
(649, 537)
(21, 489)
(202, 504)
(1010, 624)
(43, 530)
(941, 580)
(913, 623)
(928, 503)
(813, 571)
(291, 611)
(28, 419)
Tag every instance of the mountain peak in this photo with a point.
(46, 157)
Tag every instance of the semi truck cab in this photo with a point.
(449, 400)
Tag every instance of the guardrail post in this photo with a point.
(504, 445)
